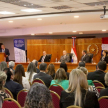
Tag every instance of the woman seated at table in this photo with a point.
(104, 56)
(61, 78)
(77, 93)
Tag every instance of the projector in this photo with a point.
(103, 16)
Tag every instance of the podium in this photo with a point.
(2, 57)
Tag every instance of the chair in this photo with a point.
(72, 106)
(98, 84)
(56, 88)
(21, 97)
(8, 92)
(49, 55)
(55, 99)
(70, 56)
(103, 102)
(99, 88)
(10, 103)
(38, 81)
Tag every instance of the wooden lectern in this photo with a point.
(2, 57)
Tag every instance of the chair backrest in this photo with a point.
(70, 56)
(56, 88)
(38, 81)
(72, 106)
(103, 102)
(99, 88)
(21, 97)
(8, 92)
(98, 84)
(55, 99)
(10, 103)
(49, 55)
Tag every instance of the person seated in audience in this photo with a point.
(1, 101)
(81, 64)
(11, 65)
(64, 66)
(31, 71)
(77, 93)
(44, 58)
(104, 92)
(3, 65)
(51, 70)
(61, 78)
(99, 74)
(43, 76)
(104, 56)
(20, 78)
(36, 64)
(14, 87)
(65, 57)
(38, 97)
(3, 78)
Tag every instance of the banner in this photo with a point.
(19, 50)
(73, 50)
(105, 43)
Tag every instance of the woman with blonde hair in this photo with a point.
(77, 93)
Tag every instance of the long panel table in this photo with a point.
(89, 66)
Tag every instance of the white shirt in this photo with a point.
(3, 50)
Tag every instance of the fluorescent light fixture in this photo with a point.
(32, 34)
(74, 31)
(31, 10)
(39, 19)
(76, 16)
(10, 21)
(6, 12)
(50, 32)
(103, 30)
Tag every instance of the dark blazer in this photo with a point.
(86, 59)
(104, 92)
(37, 70)
(105, 59)
(44, 77)
(14, 87)
(97, 75)
(89, 99)
(47, 59)
(7, 53)
(66, 59)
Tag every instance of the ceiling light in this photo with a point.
(76, 16)
(24, 5)
(32, 34)
(10, 21)
(39, 19)
(74, 31)
(6, 12)
(80, 32)
(103, 30)
(31, 10)
(50, 32)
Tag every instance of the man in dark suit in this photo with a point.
(43, 76)
(99, 73)
(44, 58)
(36, 64)
(14, 87)
(6, 51)
(85, 58)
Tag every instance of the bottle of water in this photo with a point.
(56, 59)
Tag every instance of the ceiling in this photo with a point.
(58, 13)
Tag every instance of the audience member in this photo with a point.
(20, 78)
(99, 73)
(51, 70)
(81, 64)
(3, 78)
(31, 71)
(14, 87)
(104, 92)
(1, 101)
(61, 78)
(77, 93)
(42, 75)
(3, 65)
(36, 64)
(64, 66)
(11, 65)
(38, 97)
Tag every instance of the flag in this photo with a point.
(73, 51)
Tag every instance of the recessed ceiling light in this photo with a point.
(50, 32)
(31, 10)
(103, 30)
(10, 21)
(76, 16)
(74, 31)
(24, 5)
(32, 34)
(39, 19)
(6, 12)
(80, 32)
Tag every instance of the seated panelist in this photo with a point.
(65, 57)
(104, 56)
(44, 58)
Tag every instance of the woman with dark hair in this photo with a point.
(64, 66)
(51, 70)
(20, 76)
(104, 56)
(61, 78)
(38, 97)
(31, 71)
